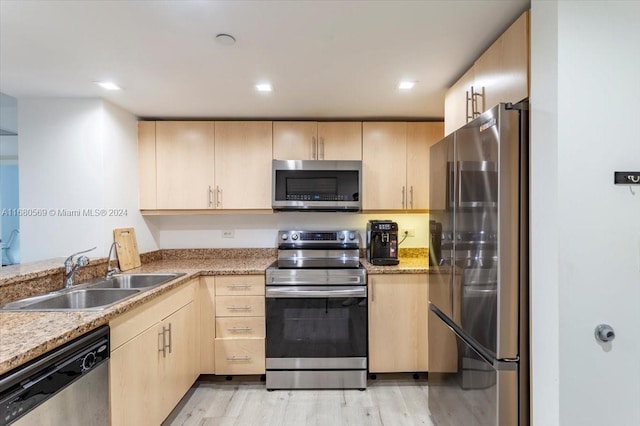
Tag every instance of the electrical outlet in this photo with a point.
(411, 232)
(228, 233)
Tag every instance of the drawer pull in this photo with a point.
(240, 328)
(238, 286)
(239, 308)
(239, 358)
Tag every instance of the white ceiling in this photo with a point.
(324, 58)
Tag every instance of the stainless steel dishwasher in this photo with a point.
(66, 386)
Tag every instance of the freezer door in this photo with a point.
(477, 393)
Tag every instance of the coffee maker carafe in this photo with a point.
(382, 242)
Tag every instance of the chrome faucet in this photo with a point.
(115, 270)
(70, 268)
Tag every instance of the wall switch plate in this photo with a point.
(228, 233)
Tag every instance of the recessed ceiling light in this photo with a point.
(225, 39)
(108, 85)
(406, 84)
(264, 87)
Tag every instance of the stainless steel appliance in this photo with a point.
(382, 242)
(316, 312)
(320, 185)
(69, 385)
(478, 288)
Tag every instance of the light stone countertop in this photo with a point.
(26, 335)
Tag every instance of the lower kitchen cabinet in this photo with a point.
(154, 358)
(398, 306)
(239, 324)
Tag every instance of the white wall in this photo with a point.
(76, 154)
(585, 239)
(260, 230)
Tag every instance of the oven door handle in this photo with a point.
(316, 292)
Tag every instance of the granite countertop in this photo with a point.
(27, 335)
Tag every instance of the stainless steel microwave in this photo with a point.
(316, 185)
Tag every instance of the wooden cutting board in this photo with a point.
(128, 256)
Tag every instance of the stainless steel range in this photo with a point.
(316, 312)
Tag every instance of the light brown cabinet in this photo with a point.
(205, 165)
(396, 164)
(239, 324)
(154, 358)
(311, 140)
(398, 306)
(501, 74)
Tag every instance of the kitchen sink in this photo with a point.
(93, 295)
(136, 281)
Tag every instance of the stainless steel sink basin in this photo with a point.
(93, 295)
(135, 280)
(74, 299)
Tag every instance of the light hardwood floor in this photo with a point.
(392, 400)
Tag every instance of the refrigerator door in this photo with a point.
(483, 392)
(486, 225)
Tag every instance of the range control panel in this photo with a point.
(318, 237)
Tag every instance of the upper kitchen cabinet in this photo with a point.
(243, 164)
(501, 74)
(396, 164)
(205, 165)
(311, 140)
(184, 164)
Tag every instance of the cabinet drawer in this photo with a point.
(240, 356)
(240, 327)
(240, 306)
(240, 285)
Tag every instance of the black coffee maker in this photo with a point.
(382, 242)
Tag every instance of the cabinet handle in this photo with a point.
(411, 196)
(210, 196)
(373, 293)
(163, 347)
(239, 358)
(218, 197)
(403, 197)
(170, 337)
(239, 308)
(238, 286)
(313, 148)
(321, 149)
(466, 105)
(240, 328)
(474, 102)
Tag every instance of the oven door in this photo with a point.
(316, 327)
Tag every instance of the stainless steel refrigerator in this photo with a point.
(478, 277)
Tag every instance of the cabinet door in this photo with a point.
(134, 381)
(384, 160)
(147, 164)
(395, 312)
(295, 140)
(456, 107)
(180, 363)
(340, 140)
(184, 161)
(515, 65)
(420, 138)
(243, 164)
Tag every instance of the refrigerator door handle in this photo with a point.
(505, 364)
